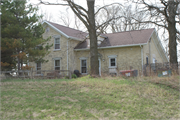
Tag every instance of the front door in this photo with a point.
(99, 67)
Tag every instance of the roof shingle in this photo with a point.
(70, 31)
(123, 38)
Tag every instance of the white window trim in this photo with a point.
(110, 57)
(59, 58)
(57, 36)
(83, 58)
(56, 49)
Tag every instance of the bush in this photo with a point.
(74, 76)
(66, 77)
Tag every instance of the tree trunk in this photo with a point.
(172, 33)
(93, 39)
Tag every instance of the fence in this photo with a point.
(155, 68)
(36, 74)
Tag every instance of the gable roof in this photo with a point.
(121, 39)
(67, 32)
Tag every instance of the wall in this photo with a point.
(155, 51)
(62, 53)
(126, 57)
(72, 56)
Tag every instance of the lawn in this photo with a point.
(88, 98)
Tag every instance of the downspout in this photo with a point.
(142, 57)
(67, 56)
(150, 56)
(150, 51)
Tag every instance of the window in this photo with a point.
(47, 29)
(83, 66)
(57, 64)
(57, 43)
(38, 67)
(112, 61)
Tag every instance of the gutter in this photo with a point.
(118, 46)
(67, 55)
(74, 38)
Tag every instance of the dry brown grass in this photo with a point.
(172, 81)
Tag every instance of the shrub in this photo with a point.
(66, 77)
(74, 76)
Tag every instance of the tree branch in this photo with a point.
(48, 3)
(104, 24)
(107, 6)
(78, 13)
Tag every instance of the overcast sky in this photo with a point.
(54, 10)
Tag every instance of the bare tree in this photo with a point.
(164, 13)
(69, 19)
(46, 15)
(64, 17)
(125, 15)
(78, 23)
(105, 14)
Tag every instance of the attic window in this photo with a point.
(47, 29)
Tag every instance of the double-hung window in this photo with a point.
(57, 42)
(83, 65)
(112, 61)
(38, 68)
(57, 64)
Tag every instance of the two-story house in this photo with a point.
(117, 51)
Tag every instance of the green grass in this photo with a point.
(87, 98)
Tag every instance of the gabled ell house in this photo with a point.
(116, 51)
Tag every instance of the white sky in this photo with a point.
(54, 9)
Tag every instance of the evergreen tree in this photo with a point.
(22, 40)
